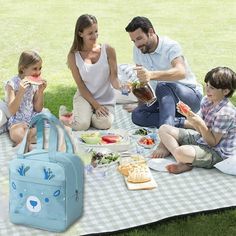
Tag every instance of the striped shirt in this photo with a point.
(220, 119)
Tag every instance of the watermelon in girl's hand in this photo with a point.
(37, 80)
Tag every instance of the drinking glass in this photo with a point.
(125, 88)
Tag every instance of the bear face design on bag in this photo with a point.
(37, 191)
(34, 203)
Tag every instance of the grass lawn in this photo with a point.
(205, 29)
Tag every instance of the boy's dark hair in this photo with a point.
(139, 22)
(222, 78)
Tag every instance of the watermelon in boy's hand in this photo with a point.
(183, 108)
(37, 80)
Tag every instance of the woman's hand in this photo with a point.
(101, 111)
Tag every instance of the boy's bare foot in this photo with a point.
(178, 168)
(130, 107)
(160, 153)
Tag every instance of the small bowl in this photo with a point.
(91, 138)
(144, 144)
(102, 170)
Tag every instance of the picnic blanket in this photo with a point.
(109, 206)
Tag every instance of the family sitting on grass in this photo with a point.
(201, 137)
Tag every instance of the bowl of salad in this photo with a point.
(103, 161)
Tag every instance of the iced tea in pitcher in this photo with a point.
(144, 92)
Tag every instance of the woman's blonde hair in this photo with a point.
(28, 58)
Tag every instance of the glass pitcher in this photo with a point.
(144, 92)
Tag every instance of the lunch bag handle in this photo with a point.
(54, 122)
(38, 121)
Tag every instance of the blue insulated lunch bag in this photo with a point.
(46, 186)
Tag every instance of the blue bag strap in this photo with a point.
(21, 150)
(52, 136)
(40, 134)
(53, 122)
(38, 121)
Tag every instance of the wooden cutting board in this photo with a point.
(142, 186)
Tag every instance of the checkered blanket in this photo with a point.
(109, 206)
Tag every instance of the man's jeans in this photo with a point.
(163, 111)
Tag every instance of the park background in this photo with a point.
(205, 29)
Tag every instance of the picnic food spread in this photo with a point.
(111, 138)
(117, 140)
(103, 158)
(91, 138)
(37, 80)
(128, 164)
(139, 175)
(142, 132)
(147, 142)
(136, 173)
(98, 138)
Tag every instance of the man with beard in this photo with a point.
(160, 61)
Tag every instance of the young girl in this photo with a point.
(212, 137)
(94, 69)
(24, 99)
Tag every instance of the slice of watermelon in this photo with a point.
(183, 108)
(37, 80)
(111, 138)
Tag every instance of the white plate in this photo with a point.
(145, 145)
(101, 133)
(160, 164)
(123, 145)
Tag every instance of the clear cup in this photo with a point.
(125, 88)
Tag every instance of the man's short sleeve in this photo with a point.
(174, 51)
(136, 57)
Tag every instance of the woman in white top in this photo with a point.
(94, 69)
